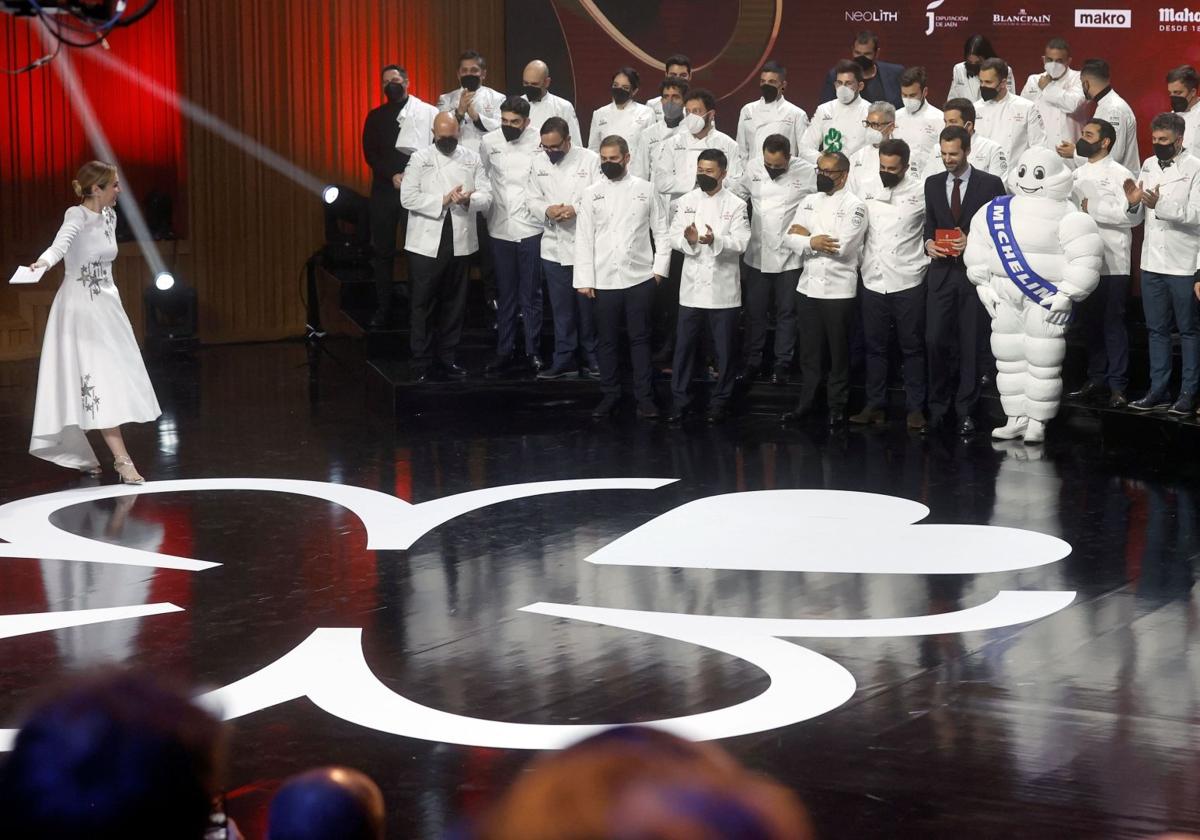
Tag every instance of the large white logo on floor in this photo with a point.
(778, 530)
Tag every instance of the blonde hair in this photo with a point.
(95, 173)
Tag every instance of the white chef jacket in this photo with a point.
(1115, 110)
(508, 166)
(966, 87)
(760, 119)
(1172, 242)
(920, 131)
(629, 122)
(893, 256)
(711, 273)
(833, 115)
(675, 166)
(430, 175)
(775, 203)
(844, 217)
(1012, 122)
(1059, 104)
(560, 183)
(487, 105)
(985, 154)
(416, 125)
(612, 235)
(1111, 211)
(552, 106)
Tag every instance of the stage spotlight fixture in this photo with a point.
(165, 281)
(171, 316)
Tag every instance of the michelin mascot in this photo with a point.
(1032, 256)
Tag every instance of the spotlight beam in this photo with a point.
(212, 122)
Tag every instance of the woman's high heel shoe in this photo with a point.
(126, 471)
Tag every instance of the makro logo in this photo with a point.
(1021, 18)
(1184, 15)
(872, 16)
(933, 20)
(1103, 18)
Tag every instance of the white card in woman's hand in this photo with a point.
(25, 274)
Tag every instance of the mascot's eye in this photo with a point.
(1039, 173)
(1021, 172)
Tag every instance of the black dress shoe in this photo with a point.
(607, 406)
(1089, 391)
(647, 410)
(454, 371)
(779, 376)
(1118, 400)
(717, 415)
(967, 426)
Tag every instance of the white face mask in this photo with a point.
(693, 123)
(1056, 69)
(874, 136)
(912, 105)
(846, 95)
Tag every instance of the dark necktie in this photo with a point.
(956, 200)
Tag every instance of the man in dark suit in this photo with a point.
(954, 316)
(881, 79)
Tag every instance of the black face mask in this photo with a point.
(534, 93)
(824, 183)
(865, 63)
(1164, 151)
(620, 95)
(769, 92)
(706, 182)
(395, 92)
(1085, 149)
(446, 145)
(891, 180)
(972, 70)
(612, 170)
(471, 82)
(988, 94)
(776, 172)
(1179, 104)
(511, 132)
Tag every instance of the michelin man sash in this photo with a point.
(1033, 286)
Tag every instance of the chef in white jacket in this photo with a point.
(837, 125)
(828, 233)
(770, 114)
(473, 104)
(1100, 192)
(444, 189)
(559, 176)
(624, 116)
(535, 82)
(1168, 187)
(1004, 117)
(617, 267)
(893, 274)
(712, 230)
(1057, 94)
(516, 235)
(773, 185)
(918, 123)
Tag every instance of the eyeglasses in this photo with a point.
(878, 126)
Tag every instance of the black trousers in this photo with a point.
(438, 292)
(825, 326)
(906, 310)
(666, 307)
(629, 308)
(954, 319)
(759, 291)
(386, 218)
(722, 325)
(1102, 318)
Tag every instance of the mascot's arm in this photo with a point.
(1083, 253)
(980, 249)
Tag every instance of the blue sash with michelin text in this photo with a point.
(1032, 285)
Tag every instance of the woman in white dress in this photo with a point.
(91, 375)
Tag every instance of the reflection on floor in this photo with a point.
(1063, 708)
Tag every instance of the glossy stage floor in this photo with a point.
(925, 637)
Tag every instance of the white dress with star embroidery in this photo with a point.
(91, 374)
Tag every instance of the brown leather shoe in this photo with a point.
(869, 417)
(916, 421)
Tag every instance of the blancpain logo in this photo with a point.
(933, 20)
(872, 16)
(1103, 18)
(1021, 18)
(1184, 15)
